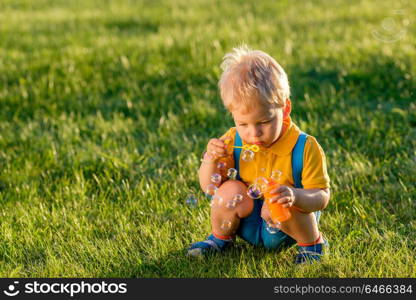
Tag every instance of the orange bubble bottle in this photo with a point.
(278, 213)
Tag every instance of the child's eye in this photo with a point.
(265, 122)
(243, 125)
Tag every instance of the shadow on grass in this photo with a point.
(371, 82)
(133, 25)
(375, 79)
(239, 261)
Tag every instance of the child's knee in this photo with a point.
(232, 187)
(233, 196)
(301, 226)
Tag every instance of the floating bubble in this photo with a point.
(231, 204)
(272, 229)
(220, 200)
(238, 198)
(211, 190)
(232, 173)
(191, 200)
(261, 182)
(226, 225)
(216, 201)
(206, 156)
(216, 178)
(221, 165)
(276, 174)
(254, 191)
(247, 155)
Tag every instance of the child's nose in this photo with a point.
(257, 131)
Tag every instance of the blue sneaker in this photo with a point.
(210, 245)
(310, 254)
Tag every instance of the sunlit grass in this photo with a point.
(105, 107)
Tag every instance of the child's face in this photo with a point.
(260, 125)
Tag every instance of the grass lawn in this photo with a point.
(106, 107)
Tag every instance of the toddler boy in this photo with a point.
(255, 90)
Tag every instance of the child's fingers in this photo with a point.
(276, 191)
(219, 147)
(217, 142)
(279, 198)
(284, 200)
(280, 190)
(226, 140)
(217, 150)
(274, 199)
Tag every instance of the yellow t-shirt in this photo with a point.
(279, 157)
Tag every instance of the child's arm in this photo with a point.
(308, 200)
(216, 149)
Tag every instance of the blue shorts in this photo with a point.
(253, 230)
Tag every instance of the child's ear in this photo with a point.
(287, 109)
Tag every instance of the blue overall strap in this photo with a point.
(237, 151)
(297, 159)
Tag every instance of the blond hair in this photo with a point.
(252, 74)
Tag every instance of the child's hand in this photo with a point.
(285, 196)
(216, 149)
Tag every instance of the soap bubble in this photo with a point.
(232, 173)
(216, 178)
(205, 155)
(219, 200)
(216, 201)
(191, 200)
(272, 229)
(261, 182)
(276, 174)
(221, 165)
(247, 155)
(231, 204)
(226, 225)
(211, 190)
(254, 191)
(238, 198)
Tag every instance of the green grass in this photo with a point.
(105, 107)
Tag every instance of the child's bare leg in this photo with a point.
(225, 220)
(302, 227)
